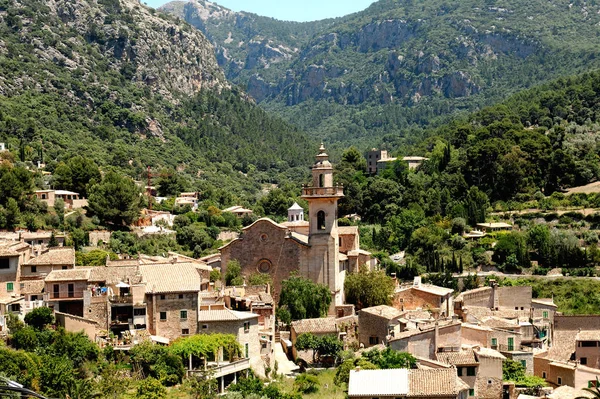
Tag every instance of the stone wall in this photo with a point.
(98, 311)
(413, 299)
(76, 324)
(172, 304)
(514, 297)
(370, 325)
(266, 244)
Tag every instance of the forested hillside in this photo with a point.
(401, 64)
(126, 86)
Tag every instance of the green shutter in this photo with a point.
(9, 287)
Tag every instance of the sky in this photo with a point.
(290, 10)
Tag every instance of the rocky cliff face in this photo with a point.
(116, 35)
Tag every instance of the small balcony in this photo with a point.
(125, 299)
(58, 295)
(337, 191)
(512, 348)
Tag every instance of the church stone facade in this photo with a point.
(280, 249)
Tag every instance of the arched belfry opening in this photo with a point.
(321, 180)
(321, 220)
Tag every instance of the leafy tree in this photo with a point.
(116, 200)
(233, 275)
(367, 288)
(111, 384)
(215, 275)
(77, 347)
(25, 338)
(306, 383)
(157, 362)
(202, 386)
(342, 373)
(53, 241)
(24, 367)
(390, 359)
(170, 184)
(259, 279)
(40, 317)
(12, 213)
(303, 298)
(150, 388)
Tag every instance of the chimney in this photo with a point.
(417, 281)
(495, 297)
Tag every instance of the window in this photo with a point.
(459, 371)
(559, 381)
(10, 287)
(522, 308)
(583, 360)
(373, 341)
(33, 269)
(320, 220)
(183, 314)
(471, 371)
(43, 196)
(34, 298)
(523, 363)
(321, 179)
(545, 314)
(163, 316)
(494, 343)
(511, 344)
(471, 392)
(246, 326)
(543, 374)
(162, 296)
(64, 268)
(516, 308)
(139, 312)
(588, 344)
(592, 384)
(71, 290)
(185, 331)
(205, 326)
(56, 290)
(340, 241)
(4, 263)
(246, 349)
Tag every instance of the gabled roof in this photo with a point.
(434, 382)
(112, 274)
(12, 248)
(171, 277)
(458, 358)
(55, 256)
(316, 326)
(348, 230)
(428, 288)
(77, 274)
(387, 312)
(588, 336)
(224, 315)
(32, 287)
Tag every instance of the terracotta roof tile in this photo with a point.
(433, 382)
(224, 315)
(171, 277)
(55, 256)
(69, 275)
(458, 358)
(112, 274)
(588, 336)
(316, 326)
(384, 311)
(32, 287)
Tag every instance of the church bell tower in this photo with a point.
(323, 258)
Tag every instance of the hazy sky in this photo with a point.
(290, 10)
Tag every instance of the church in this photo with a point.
(317, 248)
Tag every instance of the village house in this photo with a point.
(272, 248)
(70, 198)
(239, 211)
(378, 325)
(573, 357)
(439, 383)
(419, 296)
(426, 341)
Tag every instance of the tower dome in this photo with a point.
(295, 213)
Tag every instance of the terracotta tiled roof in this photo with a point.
(498, 322)
(55, 256)
(563, 345)
(384, 311)
(489, 353)
(588, 336)
(12, 248)
(316, 326)
(458, 358)
(412, 333)
(434, 289)
(112, 274)
(69, 275)
(434, 382)
(171, 277)
(348, 230)
(32, 287)
(567, 392)
(224, 315)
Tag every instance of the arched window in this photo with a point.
(321, 179)
(320, 220)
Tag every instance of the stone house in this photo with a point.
(65, 290)
(70, 198)
(378, 325)
(319, 327)
(439, 383)
(437, 300)
(428, 340)
(244, 325)
(57, 258)
(12, 255)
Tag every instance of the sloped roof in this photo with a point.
(499, 322)
(171, 277)
(32, 287)
(588, 336)
(458, 358)
(377, 383)
(224, 315)
(316, 326)
(434, 382)
(69, 275)
(55, 256)
(348, 230)
(295, 207)
(489, 353)
(12, 248)
(567, 392)
(112, 274)
(384, 311)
